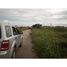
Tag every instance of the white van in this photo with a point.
(10, 39)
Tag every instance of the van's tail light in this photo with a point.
(4, 45)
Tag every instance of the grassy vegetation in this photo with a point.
(50, 42)
(21, 29)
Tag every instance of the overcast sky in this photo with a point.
(28, 17)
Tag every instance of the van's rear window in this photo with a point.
(0, 32)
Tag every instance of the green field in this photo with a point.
(50, 42)
(21, 29)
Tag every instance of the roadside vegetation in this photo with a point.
(50, 42)
(21, 29)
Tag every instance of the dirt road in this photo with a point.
(26, 50)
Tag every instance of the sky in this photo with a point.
(28, 17)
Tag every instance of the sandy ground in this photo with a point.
(26, 50)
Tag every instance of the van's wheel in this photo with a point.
(14, 54)
(20, 45)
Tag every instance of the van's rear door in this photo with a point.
(0, 36)
(0, 32)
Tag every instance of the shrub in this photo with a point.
(37, 26)
(49, 43)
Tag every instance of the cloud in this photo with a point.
(32, 16)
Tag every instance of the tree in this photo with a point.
(37, 26)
